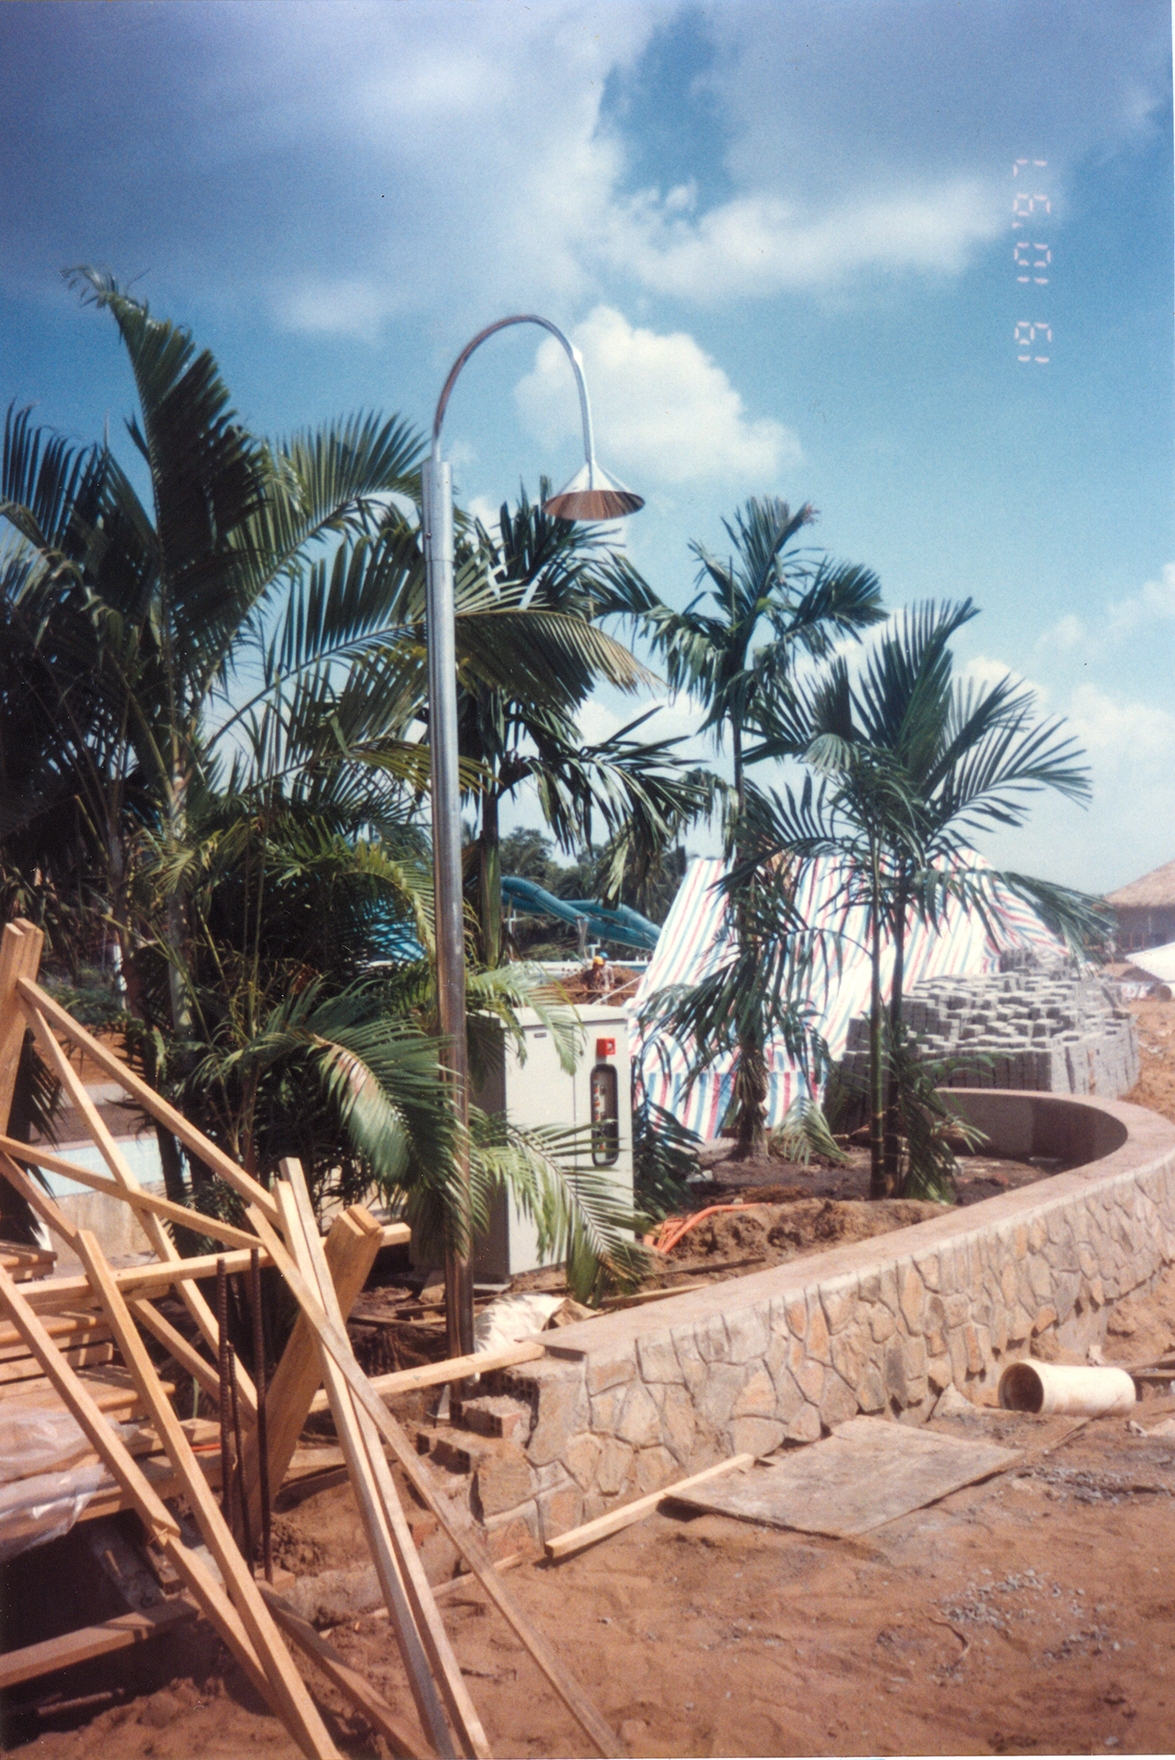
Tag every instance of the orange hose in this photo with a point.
(675, 1228)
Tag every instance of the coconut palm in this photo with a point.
(735, 649)
(915, 763)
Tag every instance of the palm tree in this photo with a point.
(734, 649)
(915, 763)
(228, 680)
(566, 580)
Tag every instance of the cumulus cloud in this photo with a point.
(1154, 603)
(347, 165)
(663, 408)
(760, 244)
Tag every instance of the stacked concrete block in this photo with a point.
(1057, 1031)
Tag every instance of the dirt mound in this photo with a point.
(779, 1231)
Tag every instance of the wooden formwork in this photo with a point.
(51, 1324)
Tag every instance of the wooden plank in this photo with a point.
(38, 1201)
(131, 1191)
(90, 1641)
(81, 1356)
(458, 1524)
(181, 1351)
(20, 955)
(356, 1688)
(527, 1350)
(287, 1688)
(867, 1473)
(31, 994)
(77, 1398)
(70, 1328)
(351, 1247)
(148, 1202)
(613, 1520)
(375, 1525)
(53, 1294)
(425, 1614)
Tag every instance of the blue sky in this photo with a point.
(782, 234)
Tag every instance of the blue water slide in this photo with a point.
(604, 923)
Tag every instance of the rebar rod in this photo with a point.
(261, 1379)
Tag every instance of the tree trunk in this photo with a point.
(490, 881)
(750, 1076)
(893, 1181)
(877, 1188)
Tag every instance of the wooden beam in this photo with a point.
(527, 1350)
(80, 1402)
(183, 1354)
(287, 1688)
(458, 1524)
(351, 1247)
(20, 955)
(428, 1621)
(613, 1520)
(90, 1641)
(356, 1688)
(134, 1194)
(131, 1191)
(53, 1294)
(246, 1187)
(375, 1527)
(81, 1356)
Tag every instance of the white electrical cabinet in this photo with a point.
(536, 1090)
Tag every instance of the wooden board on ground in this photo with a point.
(867, 1473)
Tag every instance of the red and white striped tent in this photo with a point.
(697, 937)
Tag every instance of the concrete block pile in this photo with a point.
(1056, 1032)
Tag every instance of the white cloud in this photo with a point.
(1123, 734)
(1067, 634)
(760, 245)
(662, 407)
(1154, 603)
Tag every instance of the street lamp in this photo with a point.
(590, 495)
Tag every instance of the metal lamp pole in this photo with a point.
(591, 495)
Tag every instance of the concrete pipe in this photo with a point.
(1062, 1387)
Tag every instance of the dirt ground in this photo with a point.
(1032, 1613)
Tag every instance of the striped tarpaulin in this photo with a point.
(697, 937)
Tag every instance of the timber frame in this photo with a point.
(52, 1322)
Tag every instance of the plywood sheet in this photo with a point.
(868, 1472)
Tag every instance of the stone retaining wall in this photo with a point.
(635, 1400)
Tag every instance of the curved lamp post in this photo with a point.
(590, 495)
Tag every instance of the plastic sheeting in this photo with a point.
(43, 1489)
(36, 1510)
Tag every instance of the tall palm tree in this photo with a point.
(735, 649)
(232, 670)
(565, 577)
(915, 763)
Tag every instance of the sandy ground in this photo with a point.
(1032, 1613)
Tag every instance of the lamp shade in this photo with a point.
(593, 494)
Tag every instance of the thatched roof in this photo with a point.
(1153, 891)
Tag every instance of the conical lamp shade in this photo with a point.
(593, 494)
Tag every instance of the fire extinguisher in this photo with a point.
(605, 1099)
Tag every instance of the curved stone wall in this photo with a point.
(636, 1399)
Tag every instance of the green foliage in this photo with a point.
(735, 649)
(664, 1156)
(804, 1133)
